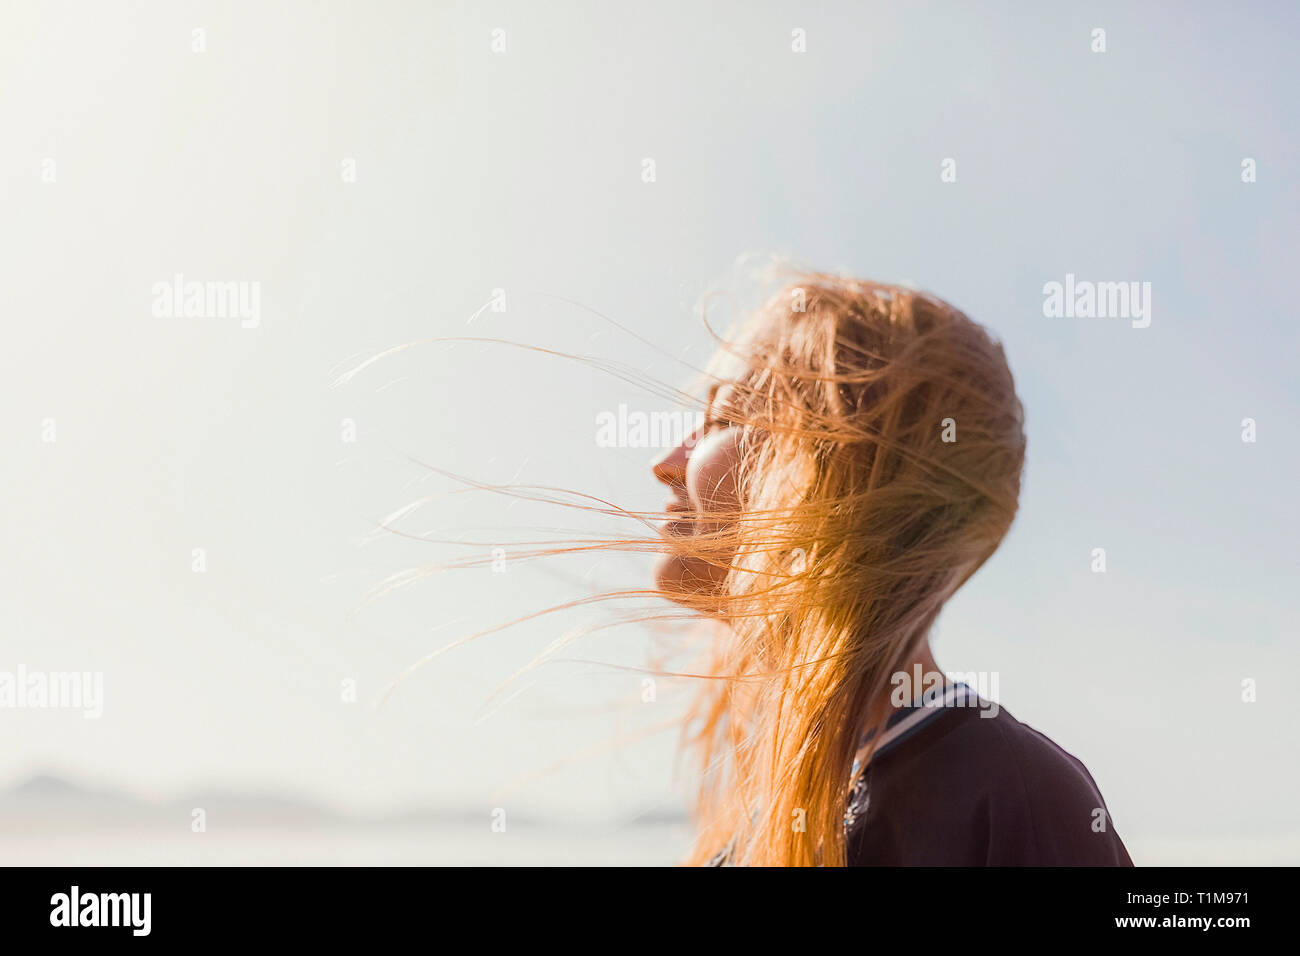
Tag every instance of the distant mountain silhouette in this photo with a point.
(46, 786)
(46, 801)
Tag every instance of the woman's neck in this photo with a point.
(919, 664)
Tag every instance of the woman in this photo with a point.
(859, 460)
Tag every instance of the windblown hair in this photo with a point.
(880, 457)
(880, 468)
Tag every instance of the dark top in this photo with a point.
(950, 785)
(960, 788)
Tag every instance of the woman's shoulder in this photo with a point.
(1052, 797)
(991, 736)
(1015, 796)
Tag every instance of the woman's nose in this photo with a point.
(670, 468)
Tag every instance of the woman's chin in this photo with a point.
(668, 576)
(690, 582)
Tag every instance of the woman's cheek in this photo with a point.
(711, 471)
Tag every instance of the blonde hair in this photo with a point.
(880, 469)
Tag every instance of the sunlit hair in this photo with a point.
(881, 452)
(880, 468)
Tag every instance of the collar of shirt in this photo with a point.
(905, 721)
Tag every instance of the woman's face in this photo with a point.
(701, 474)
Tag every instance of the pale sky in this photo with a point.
(129, 157)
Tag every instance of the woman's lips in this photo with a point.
(679, 527)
